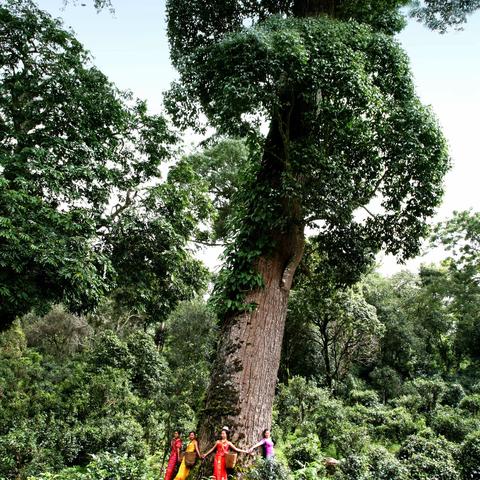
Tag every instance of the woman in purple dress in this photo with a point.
(267, 445)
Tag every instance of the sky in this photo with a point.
(130, 46)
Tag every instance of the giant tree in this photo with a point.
(350, 153)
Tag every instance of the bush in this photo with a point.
(383, 465)
(377, 463)
(471, 403)
(351, 439)
(307, 408)
(453, 395)
(367, 398)
(302, 451)
(58, 333)
(120, 433)
(387, 381)
(106, 466)
(56, 413)
(109, 350)
(150, 370)
(450, 423)
(268, 469)
(412, 402)
(475, 388)
(17, 449)
(469, 457)
(353, 467)
(398, 424)
(312, 471)
(429, 458)
(430, 391)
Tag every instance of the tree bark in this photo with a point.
(244, 376)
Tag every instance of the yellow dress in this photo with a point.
(184, 471)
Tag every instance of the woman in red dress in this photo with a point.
(222, 447)
(176, 445)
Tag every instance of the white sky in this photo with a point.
(131, 48)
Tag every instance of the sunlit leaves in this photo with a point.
(81, 209)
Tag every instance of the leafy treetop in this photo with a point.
(77, 161)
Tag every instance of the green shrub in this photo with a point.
(367, 398)
(469, 457)
(430, 391)
(351, 439)
(312, 471)
(268, 469)
(383, 465)
(398, 424)
(475, 388)
(376, 463)
(471, 403)
(453, 395)
(387, 381)
(17, 449)
(108, 350)
(452, 424)
(56, 414)
(411, 402)
(149, 368)
(58, 333)
(353, 467)
(429, 458)
(106, 466)
(307, 408)
(301, 451)
(120, 433)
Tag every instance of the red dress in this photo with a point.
(219, 468)
(176, 445)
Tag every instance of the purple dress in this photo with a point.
(267, 444)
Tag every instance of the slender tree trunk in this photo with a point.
(326, 354)
(244, 376)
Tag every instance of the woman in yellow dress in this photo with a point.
(184, 471)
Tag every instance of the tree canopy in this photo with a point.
(78, 160)
(369, 150)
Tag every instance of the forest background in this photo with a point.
(383, 374)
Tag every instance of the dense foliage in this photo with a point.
(78, 401)
(379, 373)
(110, 395)
(78, 158)
(361, 106)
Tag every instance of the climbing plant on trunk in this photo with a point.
(350, 154)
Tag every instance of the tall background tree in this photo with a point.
(81, 211)
(350, 153)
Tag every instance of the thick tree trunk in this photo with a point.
(244, 375)
(243, 383)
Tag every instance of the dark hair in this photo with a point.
(227, 432)
(265, 431)
(195, 433)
